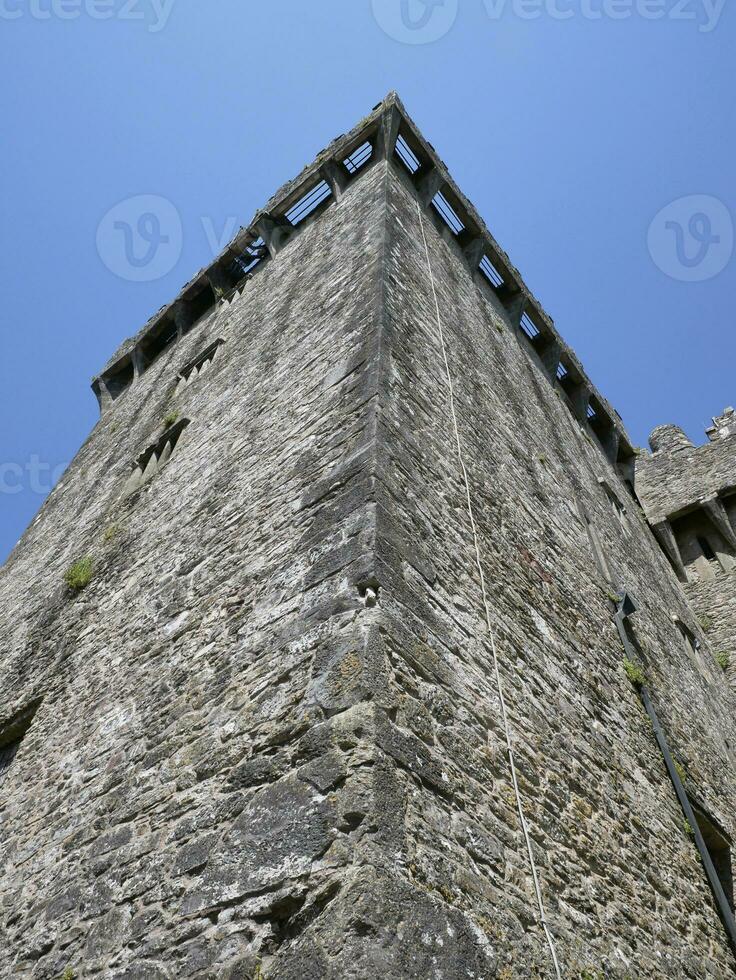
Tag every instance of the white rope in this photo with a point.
(504, 715)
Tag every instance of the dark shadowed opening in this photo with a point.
(705, 547)
(156, 342)
(202, 303)
(719, 849)
(11, 737)
(118, 381)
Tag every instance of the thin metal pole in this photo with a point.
(713, 880)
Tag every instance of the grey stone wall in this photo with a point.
(690, 489)
(182, 801)
(715, 604)
(245, 766)
(669, 482)
(625, 892)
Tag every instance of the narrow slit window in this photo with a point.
(562, 372)
(529, 328)
(491, 272)
(448, 214)
(705, 547)
(358, 158)
(155, 458)
(309, 203)
(202, 363)
(591, 413)
(407, 156)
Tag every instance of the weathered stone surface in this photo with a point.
(267, 739)
(688, 492)
(275, 839)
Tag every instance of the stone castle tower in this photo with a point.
(344, 650)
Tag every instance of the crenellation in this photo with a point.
(387, 124)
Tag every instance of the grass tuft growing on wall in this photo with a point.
(634, 672)
(79, 575)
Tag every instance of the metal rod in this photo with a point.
(716, 887)
(713, 880)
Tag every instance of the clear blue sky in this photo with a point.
(570, 136)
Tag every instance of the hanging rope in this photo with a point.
(504, 715)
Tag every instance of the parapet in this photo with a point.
(388, 134)
(680, 483)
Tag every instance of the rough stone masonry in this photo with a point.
(250, 723)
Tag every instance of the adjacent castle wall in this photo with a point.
(689, 496)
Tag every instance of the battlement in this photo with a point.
(688, 493)
(389, 134)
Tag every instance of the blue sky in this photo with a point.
(596, 137)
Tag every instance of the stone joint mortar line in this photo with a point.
(491, 634)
